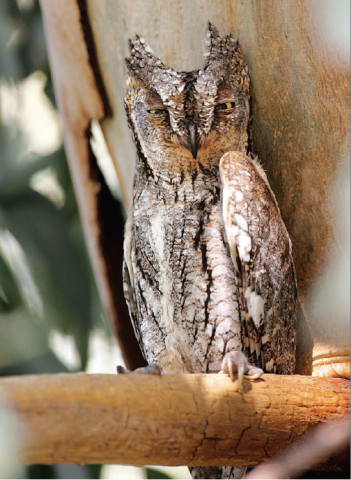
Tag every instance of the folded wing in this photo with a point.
(261, 252)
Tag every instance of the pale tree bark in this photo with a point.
(81, 98)
(170, 420)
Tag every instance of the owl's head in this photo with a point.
(188, 118)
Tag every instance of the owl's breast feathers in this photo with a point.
(179, 277)
(208, 265)
(207, 272)
(261, 252)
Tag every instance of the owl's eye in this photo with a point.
(156, 111)
(225, 106)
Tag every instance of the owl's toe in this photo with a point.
(236, 364)
(254, 372)
(151, 369)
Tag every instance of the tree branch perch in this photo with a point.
(168, 420)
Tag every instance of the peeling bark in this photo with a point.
(81, 97)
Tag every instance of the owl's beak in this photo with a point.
(193, 146)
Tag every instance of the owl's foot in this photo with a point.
(151, 369)
(235, 363)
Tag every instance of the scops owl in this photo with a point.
(208, 267)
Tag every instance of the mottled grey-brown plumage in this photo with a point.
(208, 262)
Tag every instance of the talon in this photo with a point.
(236, 363)
(241, 371)
(254, 372)
(151, 369)
(230, 369)
(121, 370)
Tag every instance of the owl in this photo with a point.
(208, 268)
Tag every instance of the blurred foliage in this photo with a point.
(153, 473)
(46, 282)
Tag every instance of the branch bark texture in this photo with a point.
(168, 420)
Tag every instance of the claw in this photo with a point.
(254, 372)
(230, 369)
(121, 370)
(151, 369)
(241, 371)
(236, 363)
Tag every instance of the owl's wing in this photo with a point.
(261, 252)
(128, 282)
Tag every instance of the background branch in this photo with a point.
(316, 446)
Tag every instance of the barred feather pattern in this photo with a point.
(208, 266)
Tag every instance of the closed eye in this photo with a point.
(225, 106)
(156, 111)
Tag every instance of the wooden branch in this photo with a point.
(323, 442)
(168, 420)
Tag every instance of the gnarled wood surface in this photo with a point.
(169, 420)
